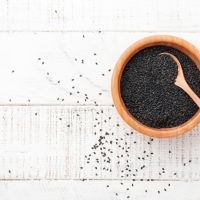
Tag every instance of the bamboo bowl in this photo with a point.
(165, 40)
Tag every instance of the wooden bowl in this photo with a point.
(166, 40)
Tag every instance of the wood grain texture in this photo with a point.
(43, 68)
(78, 190)
(43, 45)
(87, 15)
(51, 142)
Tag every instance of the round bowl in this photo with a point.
(165, 40)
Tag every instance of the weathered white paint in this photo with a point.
(50, 142)
(58, 51)
(87, 15)
(78, 190)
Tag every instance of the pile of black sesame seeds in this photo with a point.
(111, 152)
(148, 87)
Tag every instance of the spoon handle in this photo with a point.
(189, 91)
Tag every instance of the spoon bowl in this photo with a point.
(181, 82)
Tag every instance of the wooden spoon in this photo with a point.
(181, 82)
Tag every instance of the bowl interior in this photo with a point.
(170, 41)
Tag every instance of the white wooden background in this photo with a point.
(54, 54)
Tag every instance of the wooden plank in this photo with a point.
(88, 142)
(78, 190)
(70, 15)
(46, 67)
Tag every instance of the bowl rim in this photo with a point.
(166, 40)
